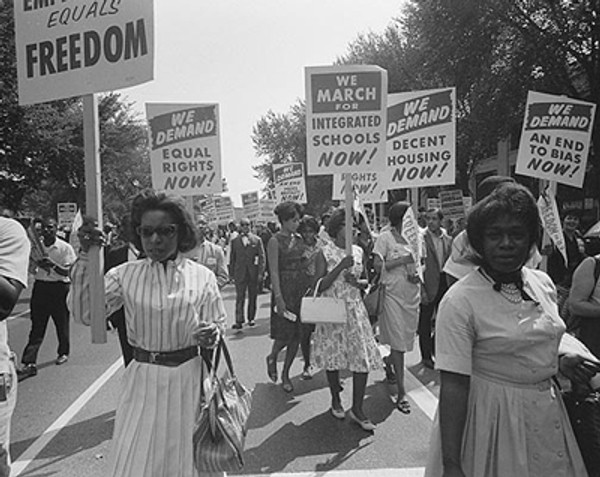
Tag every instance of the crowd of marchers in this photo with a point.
(475, 300)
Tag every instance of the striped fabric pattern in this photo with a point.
(158, 405)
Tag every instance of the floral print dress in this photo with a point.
(351, 345)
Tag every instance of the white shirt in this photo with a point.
(61, 253)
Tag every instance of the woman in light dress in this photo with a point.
(172, 306)
(497, 347)
(351, 345)
(400, 316)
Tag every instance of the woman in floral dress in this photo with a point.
(351, 345)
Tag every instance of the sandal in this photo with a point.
(403, 406)
(272, 368)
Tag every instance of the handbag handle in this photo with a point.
(221, 349)
(383, 270)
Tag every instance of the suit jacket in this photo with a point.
(433, 268)
(247, 261)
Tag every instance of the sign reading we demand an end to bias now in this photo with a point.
(289, 182)
(76, 47)
(421, 137)
(185, 151)
(345, 119)
(555, 139)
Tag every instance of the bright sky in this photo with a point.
(249, 56)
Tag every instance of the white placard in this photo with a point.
(556, 138)
(290, 184)
(251, 205)
(66, 212)
(185, 148)
(551, 221)
(367, 185)
(79, 47)
(345, 118)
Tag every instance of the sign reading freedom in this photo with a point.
(79, 47)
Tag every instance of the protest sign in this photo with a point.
(81, 47)
(551, 221)
(345, 118)
(421, 137)
(266, 210)
(66, 212)
(251, 205)
(434, 203)
(224, 212)
(185, 150)
(452, 203)
(555, 139)
(367, 185)
(411, 233)
(289, 182)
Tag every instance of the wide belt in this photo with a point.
(165, 358)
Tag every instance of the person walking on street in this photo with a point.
(438, 245)
(14, 258)
(247, 266)
(48, 298)
(208, 253)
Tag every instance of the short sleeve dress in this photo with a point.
(400, 317)
(352, 345)
(293, 283)
(516, 422)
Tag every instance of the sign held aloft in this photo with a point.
(185, 148)
(556, 138)
(345, 118)
(368, 186)
(67, 49)
(289, 182)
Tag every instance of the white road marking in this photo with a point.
(32, 451)
(18, 315)
(422, 396)
(408, 472)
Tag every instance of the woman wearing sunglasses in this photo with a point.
(172, 306)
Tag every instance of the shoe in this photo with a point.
(428, 363)
(366, 425)
(306, 374)
(62, 359)
(272, 368)
(237, 326)
(338, 413)
(27, 371)
(251, 323)
(403, 406)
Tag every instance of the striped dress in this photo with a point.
(158, 404)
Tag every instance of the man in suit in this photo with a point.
(438, 245)
(247, 264)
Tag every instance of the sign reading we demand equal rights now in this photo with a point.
(185, 151)
(555, 139)
(78, 47)
(421, 138)
(345, 119)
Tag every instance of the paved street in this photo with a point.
(65, 415)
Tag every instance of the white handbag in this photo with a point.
(322, 309)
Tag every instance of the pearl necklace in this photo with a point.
(511, 293)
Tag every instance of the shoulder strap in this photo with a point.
(596, 268)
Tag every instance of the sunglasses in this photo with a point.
(148, 231)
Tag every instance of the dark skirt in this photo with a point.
(293, 286)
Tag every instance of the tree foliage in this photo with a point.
(281, 138)
(41, 146)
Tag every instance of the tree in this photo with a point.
(281, 138)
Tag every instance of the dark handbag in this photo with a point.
(375, 297)
(221, 426)
(584, 414)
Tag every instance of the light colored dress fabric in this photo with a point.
(158, 405)
(516, 422)
(400, 316)
(351, 345)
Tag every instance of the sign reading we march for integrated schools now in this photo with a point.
(345, 119)
(421, 138)
(185, 150)
(78, 47)
(555, 139)
(289, 182)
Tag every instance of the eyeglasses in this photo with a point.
(148, 231)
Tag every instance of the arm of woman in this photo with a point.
(329, 277)
(454, 396)
(582, 288)
(273, 259)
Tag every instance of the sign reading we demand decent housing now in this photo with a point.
(185, 150)
(555, 139)
(421, 138)
(345, 119)
(78, 47)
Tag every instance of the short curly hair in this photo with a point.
(149, 199)
(308, 222)
(510, 199)
(286, 210)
